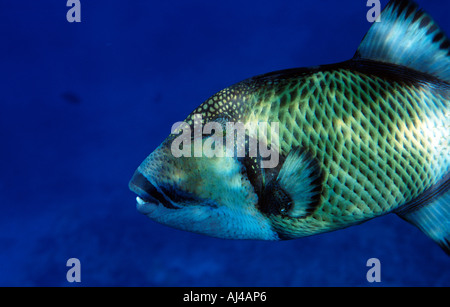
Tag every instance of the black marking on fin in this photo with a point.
(408, 36)
(402, 5)
(275, 201)
(254, 172)
(295, 193)
(430, 212)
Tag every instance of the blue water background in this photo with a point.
(82, 104)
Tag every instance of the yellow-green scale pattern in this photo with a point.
(369, 134)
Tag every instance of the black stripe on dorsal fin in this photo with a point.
(408, 36)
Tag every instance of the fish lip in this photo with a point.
(169, 196)
(148, 193)
(145, 207)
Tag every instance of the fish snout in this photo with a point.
(148, 193)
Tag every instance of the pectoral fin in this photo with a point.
(295, 192)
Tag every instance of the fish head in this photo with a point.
(206, 194)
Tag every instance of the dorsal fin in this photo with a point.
(408, 36)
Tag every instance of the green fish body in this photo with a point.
(356, 140)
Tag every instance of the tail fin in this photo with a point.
(408, 36)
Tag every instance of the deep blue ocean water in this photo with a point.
(82, 104)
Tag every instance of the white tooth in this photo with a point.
(143, 207)
(140, 201)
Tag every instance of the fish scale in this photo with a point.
(372, 151)
(370, 145)
(365, 131)
(357, 140)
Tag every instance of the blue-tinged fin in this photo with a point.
(300, 177)
(408, 36)
(431, 213)
(296, 190)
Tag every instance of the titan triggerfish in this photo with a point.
(347, 142)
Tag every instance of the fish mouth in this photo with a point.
(149, 194)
